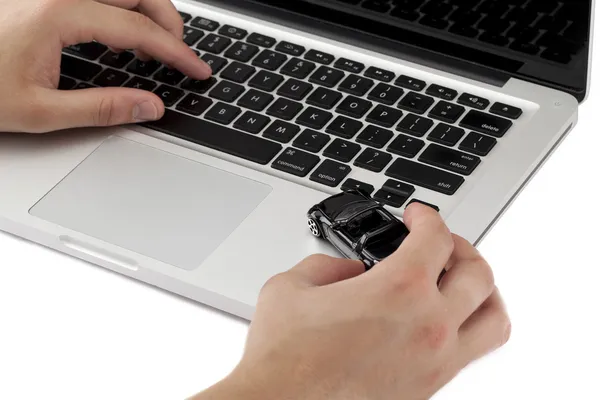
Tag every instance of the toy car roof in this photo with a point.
(346, 205)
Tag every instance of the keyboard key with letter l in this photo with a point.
(486, 123)
(79, 69)
(217, 137)
(353, 184)
(344, 127)
(504, 110)
(330, 173)
(442, 92)
(452, 160)
(470, 100)
(373, 160)
(389, 198)
(349, 65)
(425, 176)
(296, 162)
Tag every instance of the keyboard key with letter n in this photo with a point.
(486, 123)
(425, 176)
(216, 137)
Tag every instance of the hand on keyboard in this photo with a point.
(325, 330)
(33, 34)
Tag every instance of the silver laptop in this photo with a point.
(453, 103)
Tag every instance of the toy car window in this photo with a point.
(385, 243)
(365, 223)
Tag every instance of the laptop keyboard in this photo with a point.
(549, 29)
(307, 113)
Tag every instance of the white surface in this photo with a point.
(71, 330)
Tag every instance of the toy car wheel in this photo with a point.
(314, 228)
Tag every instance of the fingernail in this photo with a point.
(145, 111)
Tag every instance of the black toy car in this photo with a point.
(358, 226)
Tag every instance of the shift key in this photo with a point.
(486, 123)
(425, 176)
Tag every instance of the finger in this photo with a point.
(97, 107)
(163, 12)
(119, 28)
(428, 245)
(486, 330)
(322, 270)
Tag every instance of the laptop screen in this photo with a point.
(544, 41)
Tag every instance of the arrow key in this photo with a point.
(391, 199)
(353, 184)
(399, 188)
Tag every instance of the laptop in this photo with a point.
(454, 103)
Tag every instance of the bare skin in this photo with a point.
(323, 330)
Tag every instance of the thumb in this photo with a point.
(322, 270)
(97, 107)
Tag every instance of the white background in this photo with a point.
(70, 330)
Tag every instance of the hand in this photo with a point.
(326, 330)
(33, 33)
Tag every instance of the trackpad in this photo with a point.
(152, 202)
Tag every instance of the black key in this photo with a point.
(384, 116)
(194, 104)
(296, 162)
(216, 137)
(446, 134)
(314, 118)
(386, 94)
(185, 17)
(415, 102)
(344, 127)
(191, 35)
(312, 141)
(83, 85)
(470, 100)
(66, 83)
(143, 68)
(410, 83)
(215, 63)
(319, 57)
(238, 72)
(375, 136)
(269, 60)
(261, 40)
(477, 143)
(354, 107)
(214, 44)
(324, 98)
(169, 76)
(295, 89)
(252, 122)
(504, 110)
(406, 146)
(352, 184)
(284, 109)
(205, 24)
(380, 74)
(281, 131)
(241, 51)
(255, 100)
(140, 83)
(223, 113)
(298, 68)
(389, 198)
(266, 81)
(233, 32)
(486, 123)
(447, 112)
(117, 60)
(168, 94)
(442, 92)
(78, 69)
(341, 150)
(436, 208)
(373, 160)
(330, 173)
(356, 85)
(450, 159)
(349, 65)
(425, 176)
(90, 51)
(415, 125)
(399, 188)
(227, 91)
(201, 87)
(290, 48)
(326, 76)
(111, 77)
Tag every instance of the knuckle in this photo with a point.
(105, 111)
(413, 279)
(434, 336)
(275, 281)
(316, 259)
(141, 21)
(486, 274)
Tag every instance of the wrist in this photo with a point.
(240, 386)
